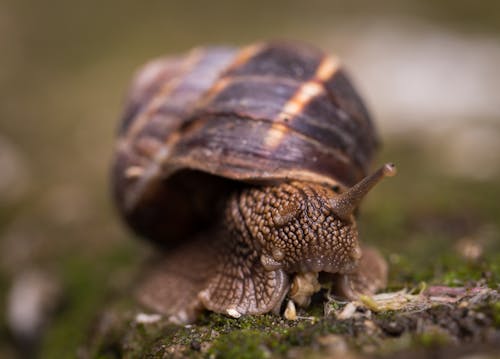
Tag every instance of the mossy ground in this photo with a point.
(424, 237)
(435, 330)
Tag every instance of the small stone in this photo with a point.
(290, 311)
(31, 301)
(232, 312)
(348, 311)
(144, 318)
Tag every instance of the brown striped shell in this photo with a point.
(197, 125)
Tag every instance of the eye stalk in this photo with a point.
(344, 204)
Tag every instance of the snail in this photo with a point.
(246, 167)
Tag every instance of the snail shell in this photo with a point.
(238, 149)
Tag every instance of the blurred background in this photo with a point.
(429, 71)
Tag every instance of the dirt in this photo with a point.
(436, 322)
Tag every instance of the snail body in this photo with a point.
(246, 166)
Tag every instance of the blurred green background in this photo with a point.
(428, 70)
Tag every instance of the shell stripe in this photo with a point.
(145, 175)
(304, 95)
(225, 82)
(245, 55)
(150, 172)
(248, 154)
(306, 92)
(157, 101)
(154, 169)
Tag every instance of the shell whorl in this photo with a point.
(268, 112)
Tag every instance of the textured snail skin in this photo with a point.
(270, 233)
(275, 231)
(295, 228)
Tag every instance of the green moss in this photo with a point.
(431, 338)
(242, 344)
(85, 292)
(276, 337)
(222, 337)
(82, 299)
(224, 324)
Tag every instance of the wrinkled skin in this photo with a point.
(272, 235)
